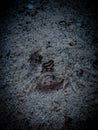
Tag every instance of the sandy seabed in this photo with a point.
(65, 33)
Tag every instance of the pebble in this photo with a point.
(62, 22)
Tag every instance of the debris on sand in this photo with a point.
(35, 58)
(48, 81)
(48, 66)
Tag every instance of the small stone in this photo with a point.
(62, 22)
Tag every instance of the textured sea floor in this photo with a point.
(65, 34)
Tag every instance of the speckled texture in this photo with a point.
(65, 34)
